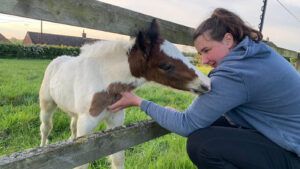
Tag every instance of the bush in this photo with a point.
(36, 51)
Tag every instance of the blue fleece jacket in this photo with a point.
(253, 87)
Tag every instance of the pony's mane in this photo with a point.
(105, 48)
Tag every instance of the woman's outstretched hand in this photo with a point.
(128, 99)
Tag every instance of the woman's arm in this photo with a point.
(226, 94)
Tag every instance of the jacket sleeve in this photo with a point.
(228, 91)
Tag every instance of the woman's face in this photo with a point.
(212, 51)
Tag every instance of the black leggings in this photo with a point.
(223, 146)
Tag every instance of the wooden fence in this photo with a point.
(101, 16)
(69, 154)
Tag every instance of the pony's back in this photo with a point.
(102, 49)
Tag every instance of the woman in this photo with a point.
(251, 117)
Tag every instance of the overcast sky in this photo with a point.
(280, 27)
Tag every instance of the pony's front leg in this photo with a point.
(73, 127)
(85, 125)
(115, 120)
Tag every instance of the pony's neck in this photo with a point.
(112, 61)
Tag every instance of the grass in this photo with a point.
(19, 118)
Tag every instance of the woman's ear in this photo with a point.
(228, 40)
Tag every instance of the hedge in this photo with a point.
(36, 51)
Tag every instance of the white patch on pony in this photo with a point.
(172, 51)
(97, 66)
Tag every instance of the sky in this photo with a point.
(280, 26)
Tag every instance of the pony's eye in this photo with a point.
(166, 66)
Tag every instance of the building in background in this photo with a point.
(54, 39)
(3, 39)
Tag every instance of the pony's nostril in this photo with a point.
(205, 87)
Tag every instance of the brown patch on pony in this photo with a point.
(117, 88)
(99, 103)
(103, 99)
(137, 62)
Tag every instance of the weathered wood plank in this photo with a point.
(69, 154)
(297, 64)
(95, 15)
(284, 52)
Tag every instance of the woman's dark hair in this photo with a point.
(223, 21)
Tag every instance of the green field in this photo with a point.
(19, 118)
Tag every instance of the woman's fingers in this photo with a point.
(127, 99)
(115, 110)
(115, 107)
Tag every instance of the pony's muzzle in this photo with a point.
(201, 89)
(198, 86)
(205, 88)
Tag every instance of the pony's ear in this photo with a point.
(140, 41)
(153, 31)
(146, 40)
(143, 44)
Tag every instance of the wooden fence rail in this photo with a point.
(69, 154)
(297, 64)
(287, 54)
(95, 15)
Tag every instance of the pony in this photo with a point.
(85, 85)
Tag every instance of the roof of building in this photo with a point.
(53, 39)
(3, 39)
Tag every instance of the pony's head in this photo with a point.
(156, 59)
